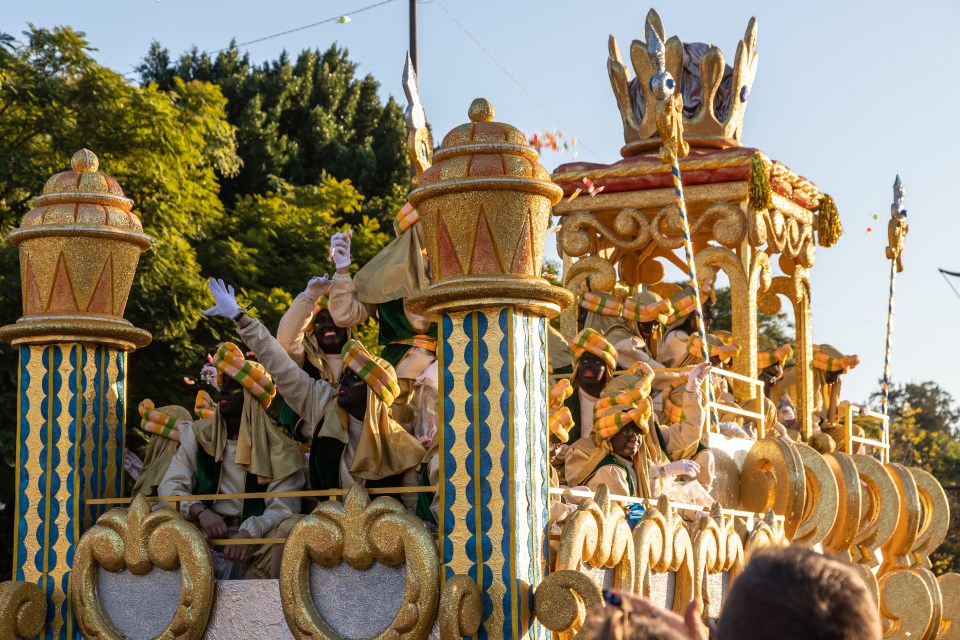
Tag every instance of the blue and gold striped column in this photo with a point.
(493, 471)
(70, 448)
(79, 247)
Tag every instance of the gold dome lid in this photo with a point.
(82, 197)
(483, 154)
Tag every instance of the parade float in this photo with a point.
(90, 562)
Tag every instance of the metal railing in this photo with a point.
(852, 411)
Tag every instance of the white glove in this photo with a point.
(429, 376)
(226, 301)
(340, 250)
(697, 375)
(680, 468)
(209, 375)
(318, 286)
(733, 430)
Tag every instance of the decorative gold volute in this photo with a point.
(485, 206)
(79, 247)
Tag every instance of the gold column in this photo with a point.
(485, 207)
(79, 247)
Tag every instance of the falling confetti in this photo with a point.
(876, 217)
(869, 229)
(591, 189)
(343, 19)
(551, 141)
(189, 381)
(573, 196)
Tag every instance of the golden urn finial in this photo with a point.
(79, 248)
(485, 206)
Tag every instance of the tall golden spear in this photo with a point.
(897, 230)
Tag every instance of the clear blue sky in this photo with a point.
(847, 94)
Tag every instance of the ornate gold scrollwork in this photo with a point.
(847, 522)
(139, 540)
(729, 225)
(598, 535)
(772, 477)
(879, 522)
(896, 550)
(461, 608)
(910, 604)
(935, 520)
(563, 599)
(783, 234)
(360, 532)
(23, 610)
(767, 532)
(821, 499)
(629, 230)
(663, 544)
(716, 549)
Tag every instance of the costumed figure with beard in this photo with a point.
(380, 289)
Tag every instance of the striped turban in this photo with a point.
(601, 303)
(827, 358)
(203, 406)
(771, 357)
(251, 375)
(379, 374)
(161, 422)
(561, 420)
(685, 302)
(407, 217)
(719, 348)
(592, 341)
(614, 412)
(647, 306)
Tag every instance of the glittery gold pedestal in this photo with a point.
(485, 207)
(79, 247)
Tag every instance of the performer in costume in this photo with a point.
(829, 364)
(594, 360)
(238, 450)
(353, 439)
(380, 289)
(682, 323)
(163, 425)
(313, 340)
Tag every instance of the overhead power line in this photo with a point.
(336, 18)
(507, 73)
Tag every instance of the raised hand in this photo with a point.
(226, 301)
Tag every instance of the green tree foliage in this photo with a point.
(301, 150)
(923, 434)
(772, 330)
(298, 119)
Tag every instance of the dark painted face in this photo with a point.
(231, 398)
(330, 337)
(581, 318)
(591, 374)
(352, 395)
(645, 329)
(708, 314)
(833, 376)
(771, 375)
(626, 443)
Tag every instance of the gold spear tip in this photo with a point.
(85, 161)
(481, 110)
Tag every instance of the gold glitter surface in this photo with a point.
(79, 248)
(359, 532)
(716, 549)
(767, 532)
(598, 535)
(910, 604)
(563, 599)
(935, 521)
(847, 522)
(663, 544)
(23, 610)
(879, 522)
(821, 499)
(950, 594)
(772, 477)
(139, 540)
(896, 551)
(461, 608)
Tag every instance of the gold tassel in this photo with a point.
(829, 228)
(761, 197)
